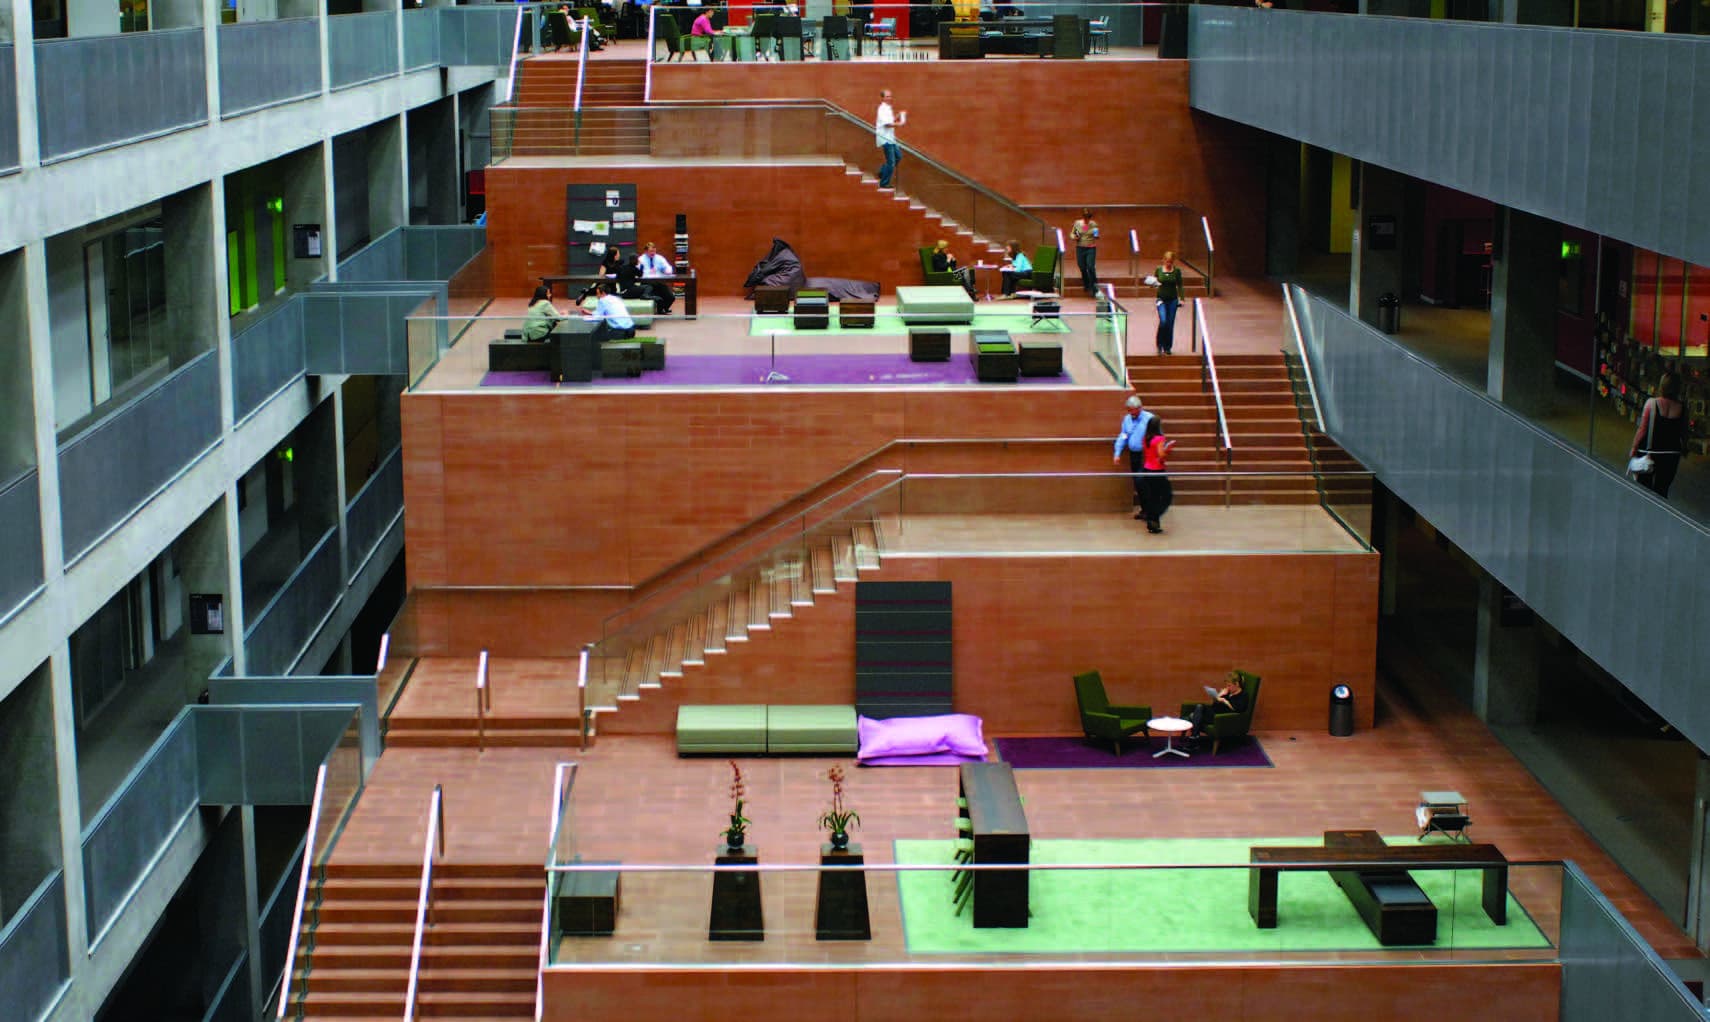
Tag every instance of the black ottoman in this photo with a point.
(928, 344)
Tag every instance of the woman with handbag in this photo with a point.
(1662, 433)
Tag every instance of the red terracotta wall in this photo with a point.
(1041, 131)
(1409, 992)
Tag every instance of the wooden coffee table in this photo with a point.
(1169, 727)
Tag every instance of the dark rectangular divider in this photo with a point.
(902, 648)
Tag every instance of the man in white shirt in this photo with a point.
(653, 267)
(885, 137)
(613, 318)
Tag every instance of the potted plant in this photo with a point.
(838, 818)
(735, 835)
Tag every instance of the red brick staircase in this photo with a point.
(611, 122)
(480, 959)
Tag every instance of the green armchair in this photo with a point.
(933, 277)
(1044, 276)
(1102, 721)
(1230, 725)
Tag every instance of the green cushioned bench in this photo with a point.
(753, 730)
(923, 305)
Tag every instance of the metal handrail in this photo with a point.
(581, 63)
(1306, 364)
(385, 648)
(584, 712)
(302, 892)
(424, 899)
(523, 16)
(555, 820)
(1208, 371)
(647, 80)
(483, 701)
(1210, 256)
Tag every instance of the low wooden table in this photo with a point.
(1000, 835)
(691, 294)
(1344, 848)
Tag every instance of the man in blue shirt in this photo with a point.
(1131, 436)
(613, 319)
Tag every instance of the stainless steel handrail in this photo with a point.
(1210, 257)
(523, 17)
(483, 702)
(424, 899)
(581, 64)
(1208, 371)
(554, 821)
(647, 81)
(1306, 364)
(302, 892)
(385, 648)
(584, 712)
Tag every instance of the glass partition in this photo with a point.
(1062, 349)
(34, 963)
(1113, 901)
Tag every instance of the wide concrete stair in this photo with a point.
(1271, 462)
(479, 958)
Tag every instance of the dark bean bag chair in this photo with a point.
(783, 268)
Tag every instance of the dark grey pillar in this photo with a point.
(188, 219)
(1282, 206)
(1375, 268)
(1505, 659)
(1525, 268)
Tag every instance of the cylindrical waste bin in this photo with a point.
(1341, 711)
(1388, 313)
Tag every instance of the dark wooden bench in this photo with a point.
(1363, 852)
(928, 344)
(520, 357)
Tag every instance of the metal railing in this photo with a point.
(1305, 363)
(560, 791)
(302, 893)
(483, 701)
(581, 63)
(424, 899)
(524, 16)
(584, 712)
(1210, 257)
(1208, 374)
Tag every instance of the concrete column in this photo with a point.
(434, 161)
(1376, 264)
(1282, 206)
(1525, 267)
(29, 791)
(220, 270)
(304, 185)
(251, 912)
(1698, 870)
(201, 553)
(236, 621)
(1505, 659)
(23, 35)
(388, 176)
(329, 197)
(70, 808)
(192, 274)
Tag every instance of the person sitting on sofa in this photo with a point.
(614, 323)
(944, 262)
(542, 315)
(1016, 265)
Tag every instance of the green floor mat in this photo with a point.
(886, 321)
(1076, 911)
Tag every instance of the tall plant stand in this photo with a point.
(841, 913)
(736, 909)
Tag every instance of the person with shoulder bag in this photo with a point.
(1662, 433)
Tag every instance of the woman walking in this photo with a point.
(1156, 493)
(1168, 278)
(1661, 435)
(1085, 234)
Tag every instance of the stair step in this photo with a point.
(759, 605)
(736, 615)
(716, 622)
(866, 546)
(824, 571)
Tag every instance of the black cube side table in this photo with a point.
(588, 901)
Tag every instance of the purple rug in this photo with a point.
(820, 370)
(1080, 754)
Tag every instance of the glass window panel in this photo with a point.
(1671, 288)
(1644, 296)
(1698, 310)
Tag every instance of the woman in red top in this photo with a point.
(1158, 495)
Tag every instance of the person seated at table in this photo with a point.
(1231, 698)
(1015, 266)
(542, 315)
(700, 34)
(656, 272)
(610, 264)
(944, 262)
(610, 315)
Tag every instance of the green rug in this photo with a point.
(1148, 911)
(886, 321)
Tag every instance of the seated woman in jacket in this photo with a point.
(542, 315)
(1016, 266)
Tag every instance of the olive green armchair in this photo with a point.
(1044, 275)
(1100, 720)
(934, 277)
(1224, 726)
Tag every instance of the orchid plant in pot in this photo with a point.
(838, 819)
(735, 835)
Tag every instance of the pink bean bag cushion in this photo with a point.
(958, 734)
